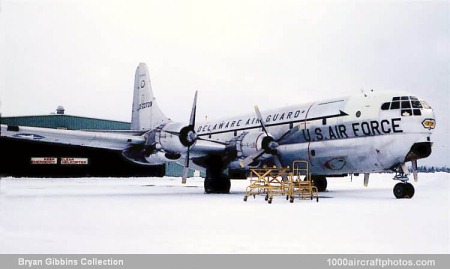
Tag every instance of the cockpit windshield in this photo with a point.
(408, 105)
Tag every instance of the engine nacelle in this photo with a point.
(157, 158)
(163, 144)
(251, 143)
(142, 156)
(173, 138)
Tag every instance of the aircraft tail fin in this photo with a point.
(146, 114)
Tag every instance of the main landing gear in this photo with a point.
(404, 189)
(220, 184)
(320, 182)
(216, 181)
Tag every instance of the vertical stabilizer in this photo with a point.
(146, 113)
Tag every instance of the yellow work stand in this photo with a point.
(272, 181)
(269, 182)
(301, 188)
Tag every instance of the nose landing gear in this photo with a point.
(403, 189)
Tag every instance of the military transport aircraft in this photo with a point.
(370, 132)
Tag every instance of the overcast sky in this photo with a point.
(82, 54)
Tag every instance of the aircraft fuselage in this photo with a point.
(358, 134)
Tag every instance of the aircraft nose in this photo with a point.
(429, 119)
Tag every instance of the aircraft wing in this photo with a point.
(122, 132)
(103, 140)
(203, 148)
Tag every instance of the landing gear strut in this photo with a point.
(215, 180)
(404, 189)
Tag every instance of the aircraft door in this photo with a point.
(323, 129)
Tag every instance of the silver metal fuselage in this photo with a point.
(347, 135)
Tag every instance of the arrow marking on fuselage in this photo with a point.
(340, 114)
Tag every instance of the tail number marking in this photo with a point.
(145, 105)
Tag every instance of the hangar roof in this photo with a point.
(62, 121)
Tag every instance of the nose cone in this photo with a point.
(422, 148)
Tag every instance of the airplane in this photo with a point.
(361, 134)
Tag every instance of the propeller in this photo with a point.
(189, 136)
(269, 145)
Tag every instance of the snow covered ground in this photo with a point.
(160, 215)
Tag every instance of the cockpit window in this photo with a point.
(406, 112)
(408, 105)
(416, 104)
(395, 105)
(425, 105)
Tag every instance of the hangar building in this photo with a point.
(28, 158)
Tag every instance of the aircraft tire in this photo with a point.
(409, 190)
(207, 184)
(320, 182)
(218, 185)
(400, 190)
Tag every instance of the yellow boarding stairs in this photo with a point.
(273, 181)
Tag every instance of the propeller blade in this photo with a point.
(258, 114)
(288, 133)
(276, 159)
(185, 175)
(193, 112)
(249, 159)
(192, 136)
(186, 168)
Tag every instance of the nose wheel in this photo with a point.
(403, 190)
